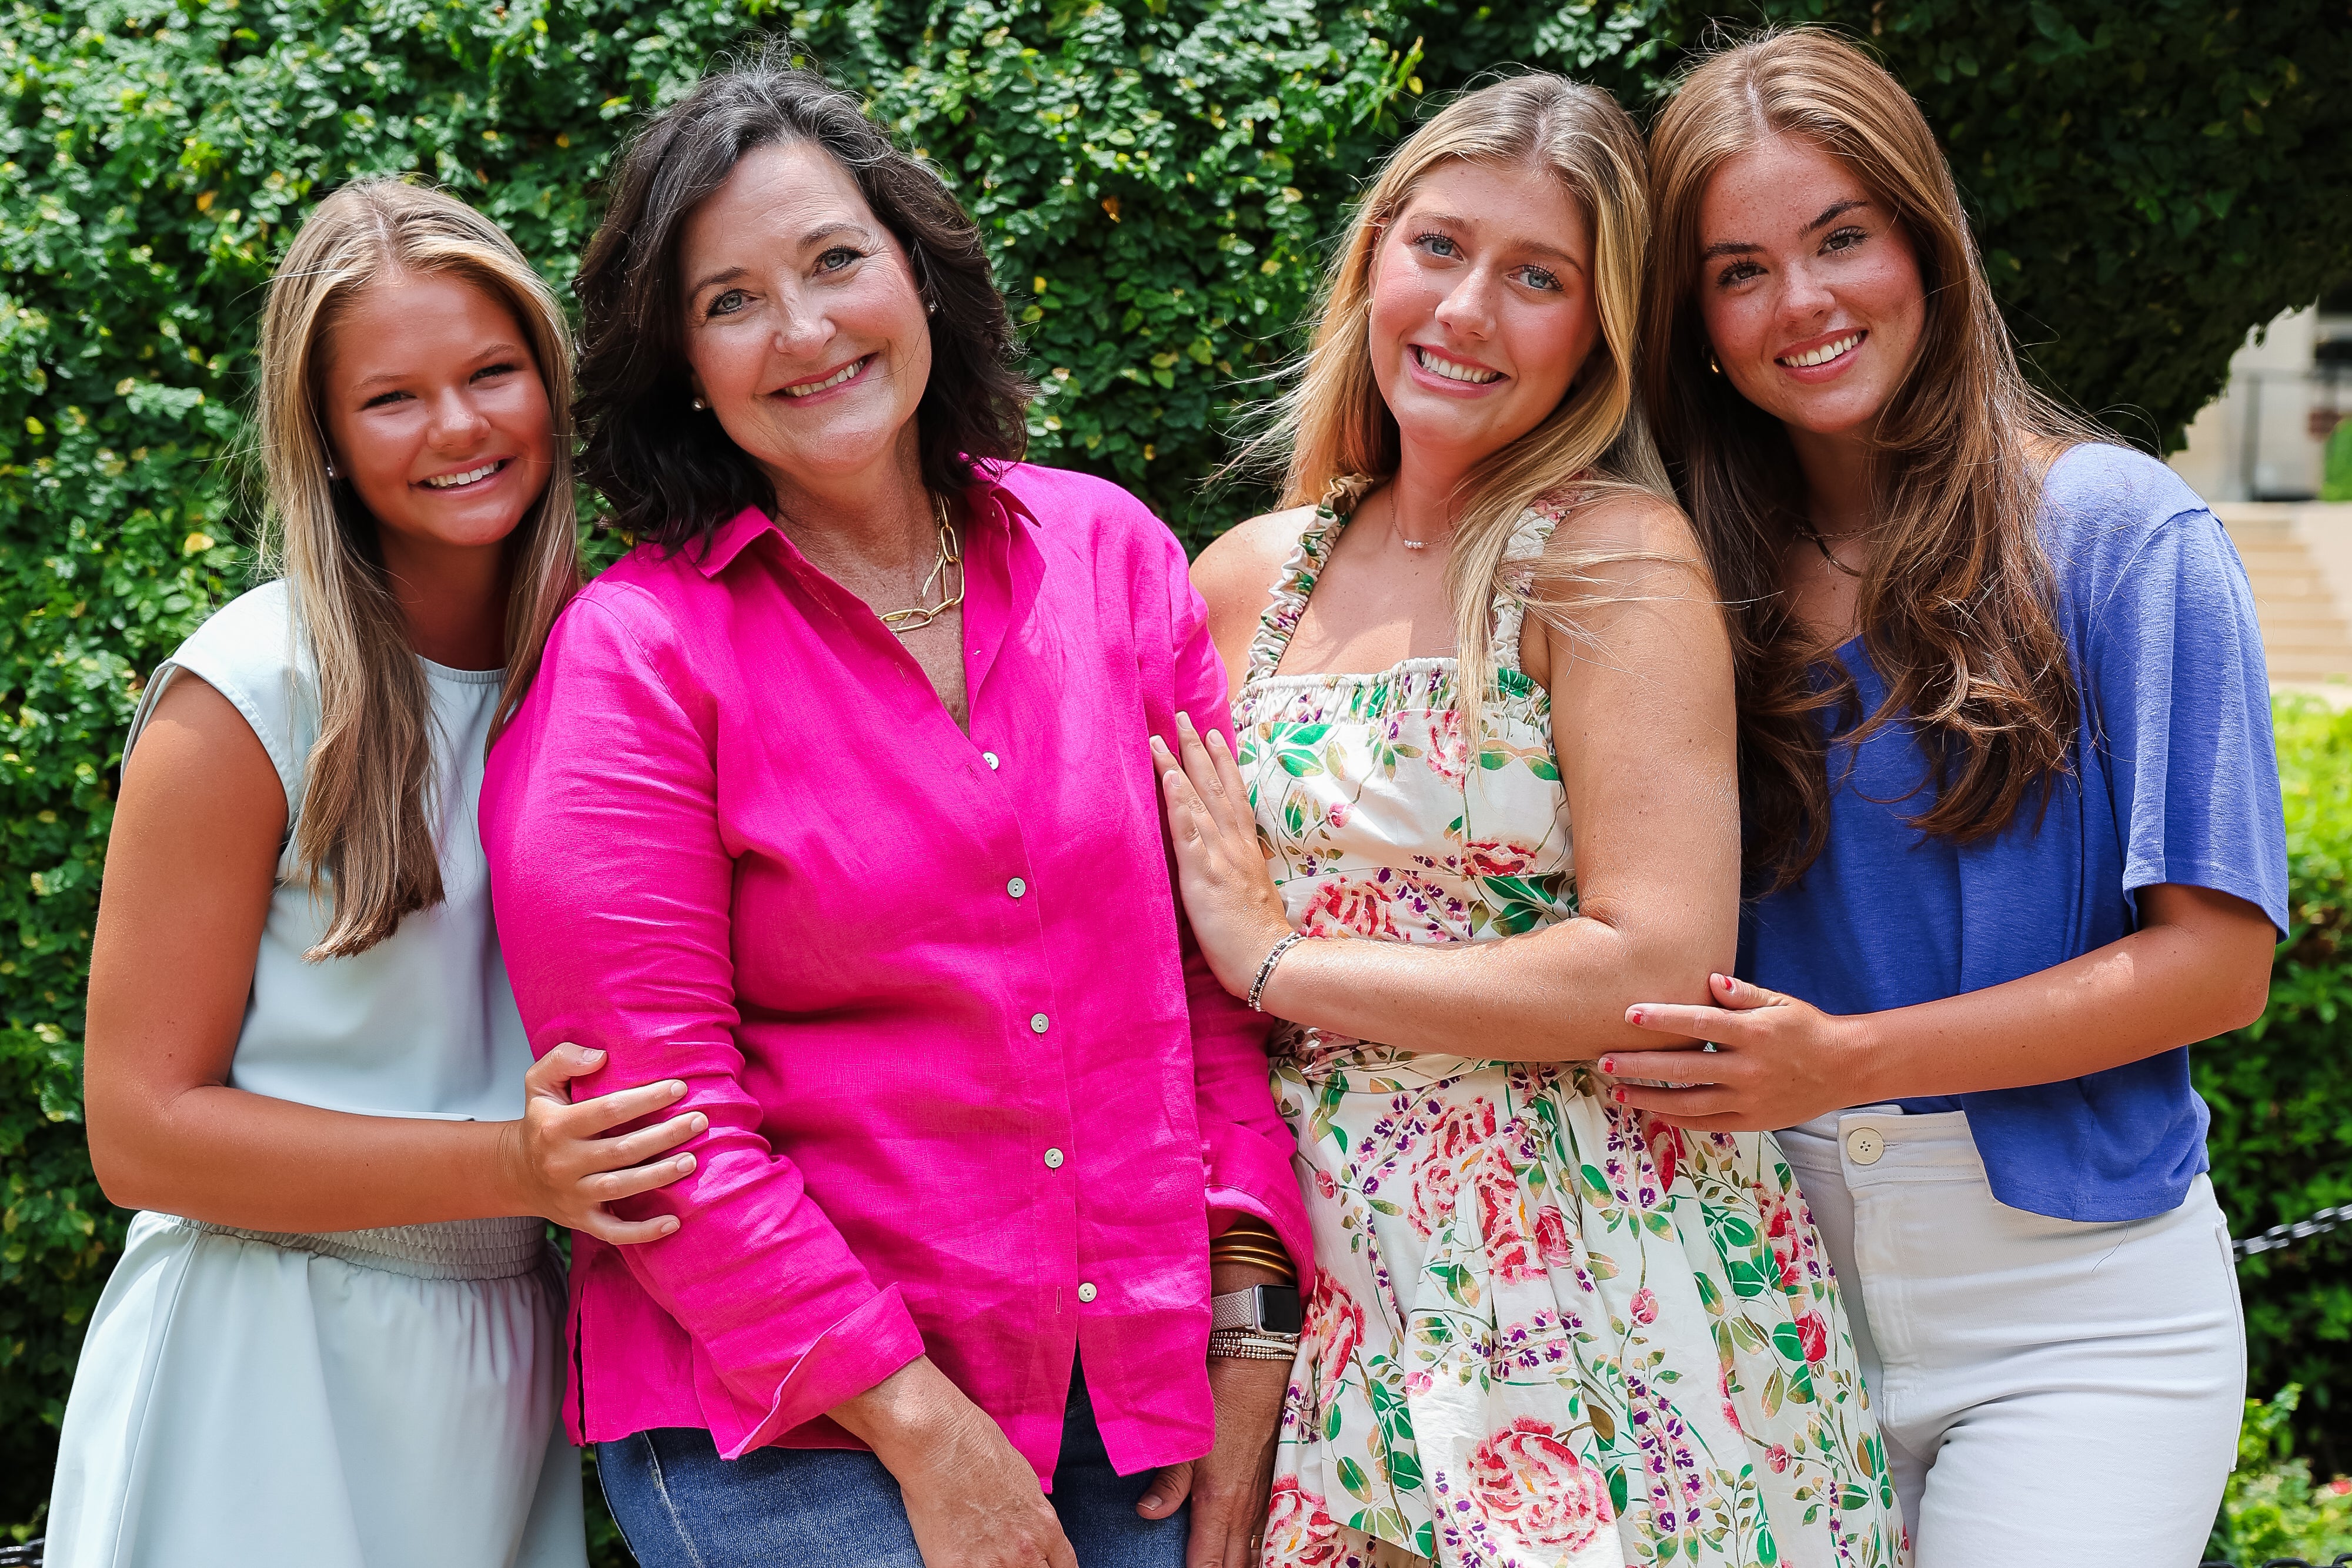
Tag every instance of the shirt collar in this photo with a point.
(733, 537)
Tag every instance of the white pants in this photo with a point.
(2051, 1392)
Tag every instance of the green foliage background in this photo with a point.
(1158, 179)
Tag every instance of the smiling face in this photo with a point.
(1482, 308)
(435, 413)
(804, 329)
(1809, 290)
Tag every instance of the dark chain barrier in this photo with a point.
(2279, 1235)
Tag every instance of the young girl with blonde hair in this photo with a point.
(334, 1338)
(2012, 809)
(1545, 1329)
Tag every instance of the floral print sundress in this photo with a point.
(1546, 1330)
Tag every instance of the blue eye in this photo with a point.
(1438, 245)
(839, 256)
(1537, 278)
(728, 303)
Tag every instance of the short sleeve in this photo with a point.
(248, 652)
(2180, 706)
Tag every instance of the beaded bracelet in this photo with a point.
(1266, 970)
(1241, 1345)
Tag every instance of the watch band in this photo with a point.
(1260, 1309)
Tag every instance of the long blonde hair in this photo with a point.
(364, 824)
(1957, 608)
(1337, 429)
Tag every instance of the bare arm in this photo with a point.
(1642, 716)
(2198, 966)
(190, 869)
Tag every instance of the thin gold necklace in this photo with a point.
(946, 569)
(1807, 531)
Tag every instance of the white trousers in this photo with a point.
(2052, 1393)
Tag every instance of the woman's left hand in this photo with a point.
(1778, 1062)
(1230, 1488)
(1229, 897)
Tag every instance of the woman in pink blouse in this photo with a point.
(832, 802)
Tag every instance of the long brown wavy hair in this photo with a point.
(1957, 607)
(363, 828)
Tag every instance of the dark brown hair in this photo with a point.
(671, 474)
(1957, 609)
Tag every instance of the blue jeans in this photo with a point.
(682, 1506)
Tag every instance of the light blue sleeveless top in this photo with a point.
(424, 1023)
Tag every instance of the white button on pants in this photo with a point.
(1865, 1144)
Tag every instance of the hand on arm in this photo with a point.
(2199, 966)
(190, 871)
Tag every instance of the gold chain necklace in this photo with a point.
(1813, 535)
(948, 570)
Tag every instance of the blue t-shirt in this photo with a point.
(2176, 780)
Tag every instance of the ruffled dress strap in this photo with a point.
(1288, 596)
(1516, 572)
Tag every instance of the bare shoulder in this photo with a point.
(1238, 569)
(1624, 520)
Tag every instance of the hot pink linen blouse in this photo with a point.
(972, 1091)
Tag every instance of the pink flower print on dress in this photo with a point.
(1528, 1478)
(1665, 1141)
(1299, 1530)
(1501, 1221)
(1448, 757)
(1337, 814)
(1814, 1335)
(1451, 1147)
(1778, 1458)
(1350, 909)
(1645, 1309)
(1487, 857)
(1334, 1327)
(1552, 1243)
(1730, 1411)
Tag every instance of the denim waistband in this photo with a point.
(497, 1248)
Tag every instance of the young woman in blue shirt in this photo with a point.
(2013, 819)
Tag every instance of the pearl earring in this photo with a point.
(1711, 365)
(330, 469)
(700, 404)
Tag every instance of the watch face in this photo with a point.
(1278, 1307)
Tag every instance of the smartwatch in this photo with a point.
(1262, 1309)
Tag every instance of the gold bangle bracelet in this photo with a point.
(1250, 1255)
(1234, 1244)
(1273, 1265)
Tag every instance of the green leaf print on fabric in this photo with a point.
(1545, 1331)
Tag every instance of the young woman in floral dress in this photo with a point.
(1546, 1330)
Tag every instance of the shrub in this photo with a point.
(2271, 1509)
(2282, 1099)
(1157, 177)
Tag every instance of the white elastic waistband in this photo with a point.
(497, 1248)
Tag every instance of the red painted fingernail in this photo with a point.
(1634, 1015)
(1608, 1064)
(1723, 980)
(1618, 1095)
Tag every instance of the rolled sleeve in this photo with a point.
(612, 888)
(1248, 1148)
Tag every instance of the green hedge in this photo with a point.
(1157, 177)
(2281, 1098)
